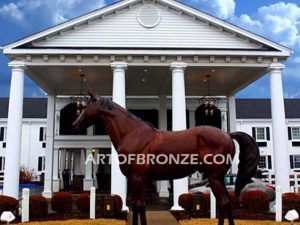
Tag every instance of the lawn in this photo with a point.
(80, 222)
(237, 222)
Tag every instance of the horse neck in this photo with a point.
(119, 122)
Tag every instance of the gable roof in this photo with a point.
(261, 108)
(116, 7)
(32, 108)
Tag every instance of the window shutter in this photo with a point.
(41, 133)
(269, 162)
(2, 134)
(254, 133)
(290, 133)
(268, 133)
(1, 163)
(40, 163)
(292, 162)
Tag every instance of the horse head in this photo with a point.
(88, 114)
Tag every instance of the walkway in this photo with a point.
(157, 218)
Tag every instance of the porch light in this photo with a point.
(80, 99)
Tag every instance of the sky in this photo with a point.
(276, 20)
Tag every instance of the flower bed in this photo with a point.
(80, 222)
(237, 222)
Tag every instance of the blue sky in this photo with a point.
(273, 19)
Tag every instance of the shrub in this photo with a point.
(185, 201)
(8, 204)
(83, 203)
(26, 175)
(255, 201)
(38, 206)
(118, 204)
(290, 201)
(62, 202)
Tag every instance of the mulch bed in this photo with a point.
(237, 222)
(80, 222)
(66, 216)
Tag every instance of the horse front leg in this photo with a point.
(223, 199)
(138, 190)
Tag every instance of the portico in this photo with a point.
(145, 61)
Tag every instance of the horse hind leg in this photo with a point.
(223, 199)
(138, 188)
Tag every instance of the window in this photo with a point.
(294, 136)
(41, 163)
(262, 163)
(43, 131)
(3, 133)
(265, 162)
(260, 134)
(296, 133)
(296, 161)
(2, 163)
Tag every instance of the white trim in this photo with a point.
(263, 65)
(162, 52)
(126, 3)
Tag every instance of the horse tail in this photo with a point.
(248, 157)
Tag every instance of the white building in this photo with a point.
(140, 48)
(253, 117)
(33, 135)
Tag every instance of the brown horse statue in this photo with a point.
(131, 135)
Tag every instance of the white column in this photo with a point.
(49, 146)
(281, 154)
(163, 185)
(88, 181)
(180, 186)
(231, 114)
(14, 130)
(56, 180)
(232, 128)
(192, 118)
(118, 180)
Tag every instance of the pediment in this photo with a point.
(168, 25)
(125, 30)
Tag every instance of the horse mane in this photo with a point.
(106, 103)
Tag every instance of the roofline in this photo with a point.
(226, 25)
(126, 3)
(204, 52)
(70, 23)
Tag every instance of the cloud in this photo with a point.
(279, 22)
(11, 11)
(50, 11)
(223, 9)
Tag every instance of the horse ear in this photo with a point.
(92, 95)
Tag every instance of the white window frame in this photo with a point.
(292, 133)
(265, 134)
(296, 161)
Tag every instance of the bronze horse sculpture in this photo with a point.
(131, 135)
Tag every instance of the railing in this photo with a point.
(293, 178)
